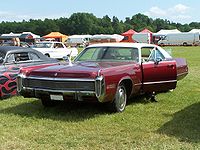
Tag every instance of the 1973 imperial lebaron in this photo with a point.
(109, 72)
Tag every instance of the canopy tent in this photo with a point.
(195, 31)
(10, 36)
(145, 30)
(101, 38)
(30, 34)
(128, 35)
(24, 37)
(29, 37)
(57, 36)
(131, 31)
(163, 32)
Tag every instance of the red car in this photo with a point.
(107, 73)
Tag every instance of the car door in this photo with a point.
(59, 50)
(159, 73)
(8, 76)
(11, 63)
(10, 69)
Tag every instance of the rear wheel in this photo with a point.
(119, 103)
(162, 44)
(185, 44)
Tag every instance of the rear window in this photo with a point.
(21, 56)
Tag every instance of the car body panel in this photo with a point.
(55, 49)
(161, 75)
(182, 69)
(93, 76)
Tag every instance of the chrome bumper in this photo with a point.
(99, 91)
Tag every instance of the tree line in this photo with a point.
(87, 23)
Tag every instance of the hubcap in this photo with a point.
(121, 98)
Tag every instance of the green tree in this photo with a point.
(87, 23)
(82, 23)
(117, 26)
(107, 25)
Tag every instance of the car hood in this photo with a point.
(76, 70)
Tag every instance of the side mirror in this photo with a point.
(158, 60)
(65, 58)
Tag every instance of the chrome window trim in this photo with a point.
(180, 74)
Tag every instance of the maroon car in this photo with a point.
(107, 73)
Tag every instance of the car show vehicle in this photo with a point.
(78, 40)
(12, 58)
(55, 49)
(109, 73)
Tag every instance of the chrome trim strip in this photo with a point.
(138, 84)
(159, 82)
(98, 87)
(19, 83)
(62, 79)
(180, 74)
(59, 91)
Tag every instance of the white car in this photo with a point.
(55, 49)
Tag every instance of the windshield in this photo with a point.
(122, 54)
(42, 45)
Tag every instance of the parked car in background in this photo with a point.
(78, 40)
(55, 49)
(12, 58)
(108, 73)
(10, 43)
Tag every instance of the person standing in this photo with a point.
(13, 42)
(16, 41)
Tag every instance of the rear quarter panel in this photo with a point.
(182, 68)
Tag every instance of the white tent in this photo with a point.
(32, 34)
(14, 35)
(10, 35)
(117, 37)
(195, 31)
(80, 36)
(163, 32)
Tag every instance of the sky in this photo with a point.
(178, 11)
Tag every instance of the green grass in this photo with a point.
(171, 123)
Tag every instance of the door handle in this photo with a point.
(170, 65)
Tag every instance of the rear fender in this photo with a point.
(182, 68)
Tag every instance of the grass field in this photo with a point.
(171, 123)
